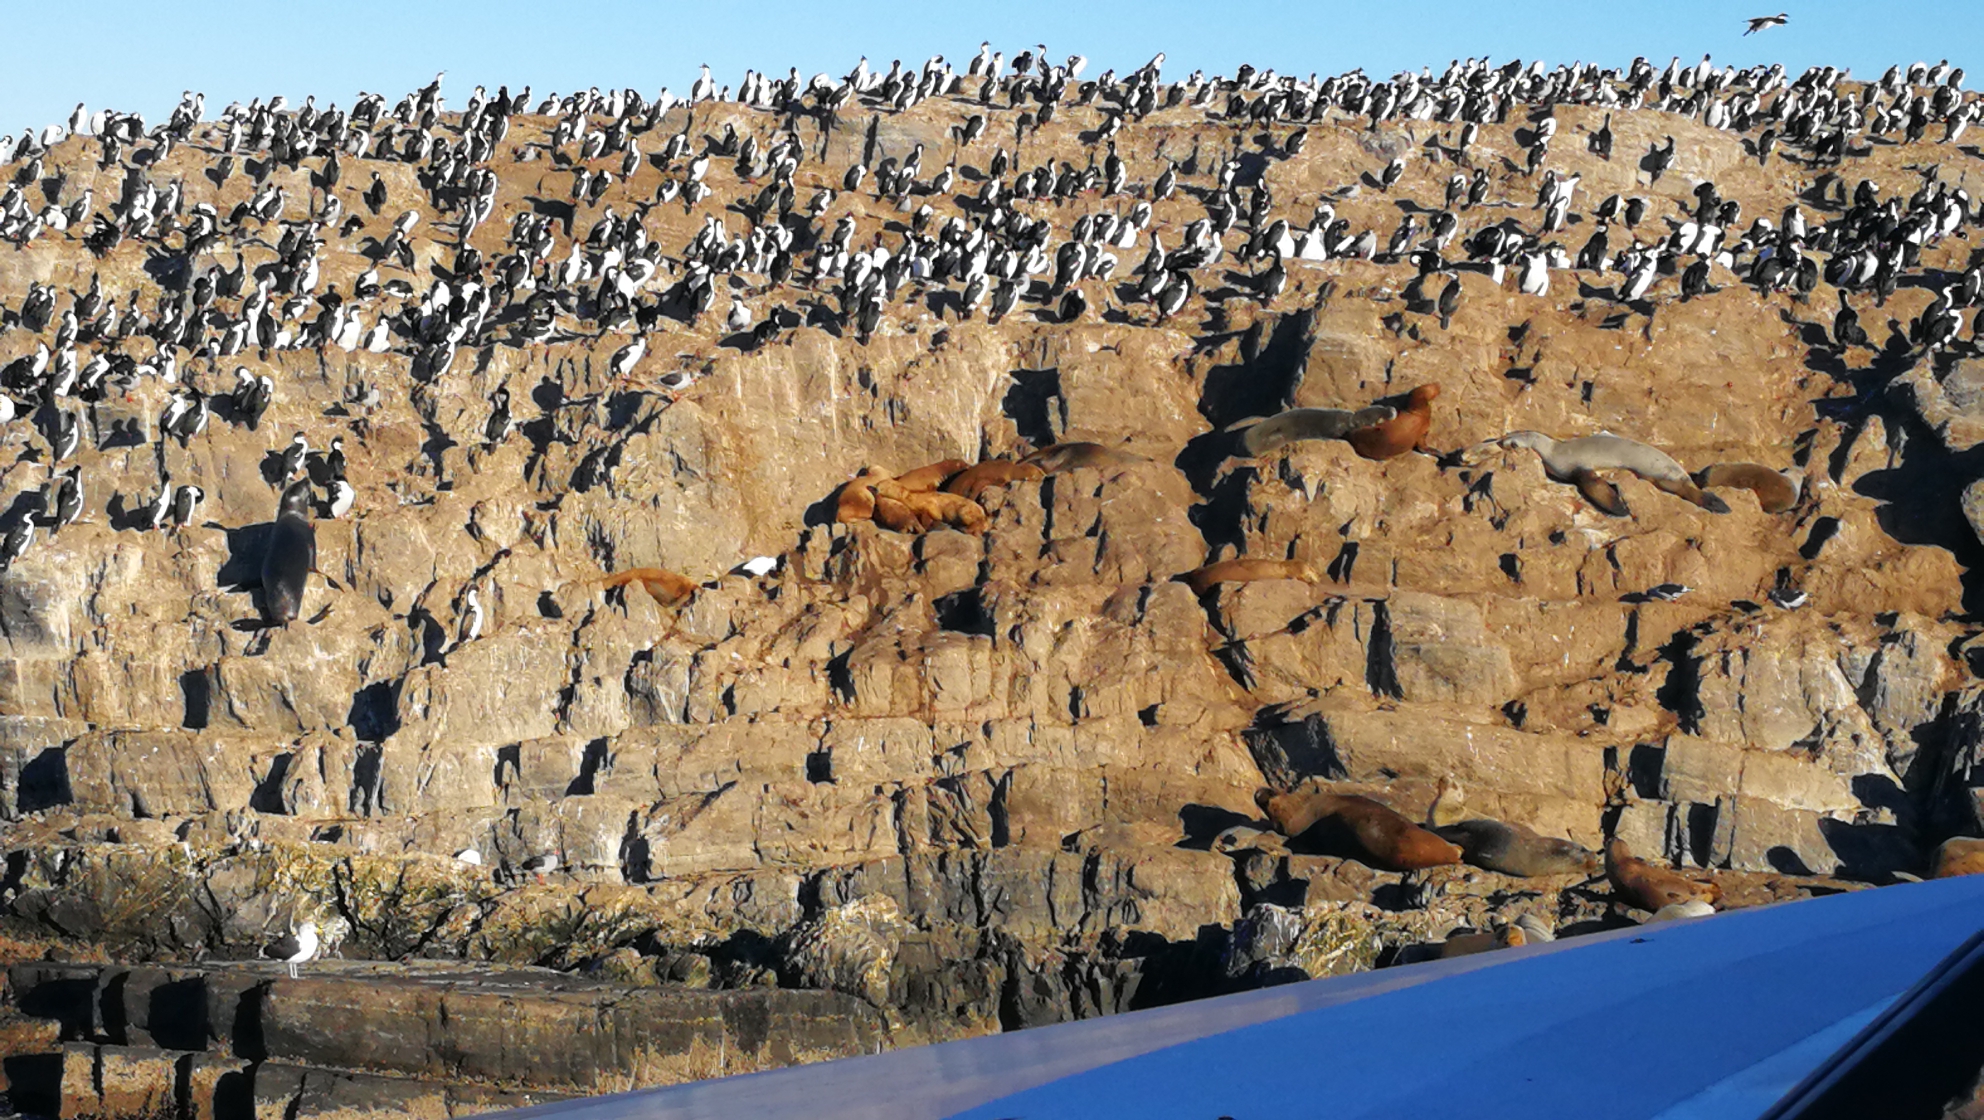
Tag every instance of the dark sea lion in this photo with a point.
(1776, 491)
(1643, 885)
(1310, 423)
(291, 555)
(1513, 849)
(1403, 432)
(1073, 456)
(1202, 580)
(1603, 496)
(1386, 838)
(976, 480)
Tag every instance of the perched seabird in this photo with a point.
(471, 625)
(18, 539)
(340, 500)
(184, 503)
(68, 499)
(296, 949)
(1789, 598)
(68, 435)
(153, 514)
(292, 458)
(757, 566)
(626, 358)
(186, 416)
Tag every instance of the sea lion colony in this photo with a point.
(659, 233)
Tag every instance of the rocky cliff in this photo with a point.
(903, 786)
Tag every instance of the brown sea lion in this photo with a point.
(1513, 849)
(976, 480)
(1641, 884)
(930, 476)
(1386, 838)
(893, 514)
(1603, 496)
(1466, 944)
(1073, 456)
(1959, 855)
(1202, 580)
(1776, 491)
(1579, 460)
(1295, 424)
(936, 507)
(666, 587)
(855, 502)
(1404, 432)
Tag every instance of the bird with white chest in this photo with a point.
(298, 948)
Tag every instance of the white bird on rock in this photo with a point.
(627, 357)
(472, 618)
(297, 949)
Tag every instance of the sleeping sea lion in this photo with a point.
(1647, 887)
(976, 480)
(1296, 424)
(1073, 456)
(855, 502)
(935, 507)
(1776, 491)
(931, 476)
(1513, 849)
(1386, 839)
(1578, 461)
(894, 515)
(1202, 580)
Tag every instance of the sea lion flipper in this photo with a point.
(1603, 496)
(1683, 487)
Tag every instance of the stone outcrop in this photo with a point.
(900, 788)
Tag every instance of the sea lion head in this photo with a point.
(1534, 441)
(295, 500)
(1424, 395)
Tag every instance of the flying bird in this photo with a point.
(1765, 23)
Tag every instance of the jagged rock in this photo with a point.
(940, 782)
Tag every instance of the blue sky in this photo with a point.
(138, 54)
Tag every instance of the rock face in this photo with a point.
(427, 1039)
(905, 787)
